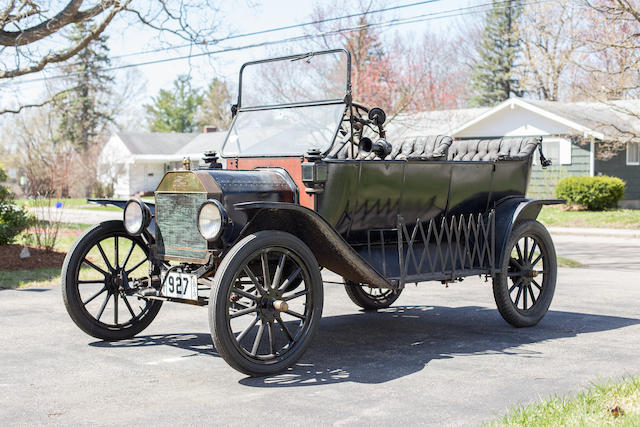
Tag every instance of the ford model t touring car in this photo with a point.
(313, 182)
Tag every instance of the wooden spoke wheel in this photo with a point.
(261, 321)
(370, 298)
(97, 276)
(524, 288)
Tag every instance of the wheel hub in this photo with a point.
(271, 306)
(116, 280)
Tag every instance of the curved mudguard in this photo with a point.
(329, 248)
(512, 210)
(122, 203)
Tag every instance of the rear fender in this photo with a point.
(329, 248)
(509, 212)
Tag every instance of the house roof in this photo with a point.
(204, 142)
(441, 122)
(614, 119)
(610, 120)
(144, 143)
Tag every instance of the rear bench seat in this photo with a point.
(493, 149)
(432, 147)
(441, 147)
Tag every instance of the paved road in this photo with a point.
(439, 356)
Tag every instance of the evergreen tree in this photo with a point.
(175, 110)
(215, 109)
(83, 108)
(494, 76)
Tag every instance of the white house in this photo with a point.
(135, 162)
(574, 136)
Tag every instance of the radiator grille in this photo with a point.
(176, 226)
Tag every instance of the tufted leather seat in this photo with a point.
(433, 147)
(440, 147)
(492, 149)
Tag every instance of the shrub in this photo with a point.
(595, 193)
(47, 226)
(12, 219)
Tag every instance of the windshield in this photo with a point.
(308, 78)
(284, 131)
(289, 105)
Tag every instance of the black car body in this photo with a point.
(311, 182)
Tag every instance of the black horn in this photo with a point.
(381, 147)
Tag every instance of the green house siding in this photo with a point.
(543, 181)
(617, 166)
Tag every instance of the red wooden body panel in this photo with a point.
(293, 165)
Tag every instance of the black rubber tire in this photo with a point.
(501, 283)
(71, 295)
(223, 338)
(362, 299)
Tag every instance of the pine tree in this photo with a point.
(215, 109)
(493, 77)
(175, 111)
(83, 109)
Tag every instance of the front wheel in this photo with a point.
(96, 275)
(524, 287)
(266, 303)
(370, 298)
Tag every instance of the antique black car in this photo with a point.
(311, 183)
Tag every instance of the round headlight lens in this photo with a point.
(210, 220)
(133, 217)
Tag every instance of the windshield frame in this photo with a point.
(301, 56)
(237, 109)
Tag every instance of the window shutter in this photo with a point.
(633, 154)
(565, 152)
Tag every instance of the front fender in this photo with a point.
(121, 203)
(509, 212)
(329, 248)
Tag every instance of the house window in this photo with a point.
(558, 150)
(633, 153)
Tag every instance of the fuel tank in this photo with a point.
(181, 193)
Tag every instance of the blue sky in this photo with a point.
(240, 16)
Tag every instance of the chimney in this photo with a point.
(209, 129)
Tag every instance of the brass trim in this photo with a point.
(180, 182)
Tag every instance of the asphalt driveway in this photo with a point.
(438, 356)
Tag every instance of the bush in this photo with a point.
(595, 193)
(12, 219)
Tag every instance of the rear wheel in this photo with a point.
(266, 303)
(370, 298)
(95, 277)
(524, 288)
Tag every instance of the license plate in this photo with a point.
(180, 285)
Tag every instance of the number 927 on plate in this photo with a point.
(180, 285)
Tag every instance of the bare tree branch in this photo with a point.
(66, 16)
(63, 55)
(18, 109)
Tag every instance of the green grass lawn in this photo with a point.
(45, 277)
(39, 277)
(557, 216)
(68, 204)
(568, 262)
(77, 203)
(613, 403)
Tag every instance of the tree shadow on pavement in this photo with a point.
(196, 342)
(376, 347)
